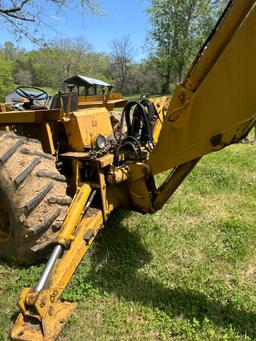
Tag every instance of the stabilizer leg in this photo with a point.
(42, 316)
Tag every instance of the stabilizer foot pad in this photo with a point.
(26, 329)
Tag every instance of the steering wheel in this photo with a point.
(35, 94)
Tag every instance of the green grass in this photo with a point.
(50, 91)
(129, 99)
(188, 272)
(135, 97)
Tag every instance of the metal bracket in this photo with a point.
(48, 329)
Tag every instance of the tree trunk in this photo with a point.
(166, 84)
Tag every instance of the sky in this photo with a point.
(119, 18)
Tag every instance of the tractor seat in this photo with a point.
(56, 101)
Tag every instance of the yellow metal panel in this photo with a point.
(74, 214)
(160, 106)
(118, 195)
(78, 155)
(103, 188)
(84, 126)
(29, 116)
(46, 138)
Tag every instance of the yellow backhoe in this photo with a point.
(63, 170)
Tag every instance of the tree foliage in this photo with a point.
(178, 30)
(62, 58)
(6, 76)
(58, 61)
(27, 17)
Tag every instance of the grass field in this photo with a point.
(187, 272)
(133, 98)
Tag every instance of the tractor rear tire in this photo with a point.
(33, 200)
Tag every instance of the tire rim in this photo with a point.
(5, 226)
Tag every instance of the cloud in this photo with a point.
(55, 17)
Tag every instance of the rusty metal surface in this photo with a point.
(26, 329)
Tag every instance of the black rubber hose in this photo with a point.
(120, 147)
(117, 151)
(139, 110)
(144, 112)
(130, 144)
(125, 115)
(151, 113)
(127, 138)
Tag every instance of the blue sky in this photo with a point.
(119, 18)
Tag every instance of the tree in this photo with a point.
(151, 78)
(27, 17)
(61, 59)
(98, 65)
(6, 78)
(142, 79)
(23, 77)
(9, 50)
(121, 54)
(178, 30)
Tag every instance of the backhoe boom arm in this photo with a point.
(216, 103)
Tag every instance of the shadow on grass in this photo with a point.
(117, 256)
